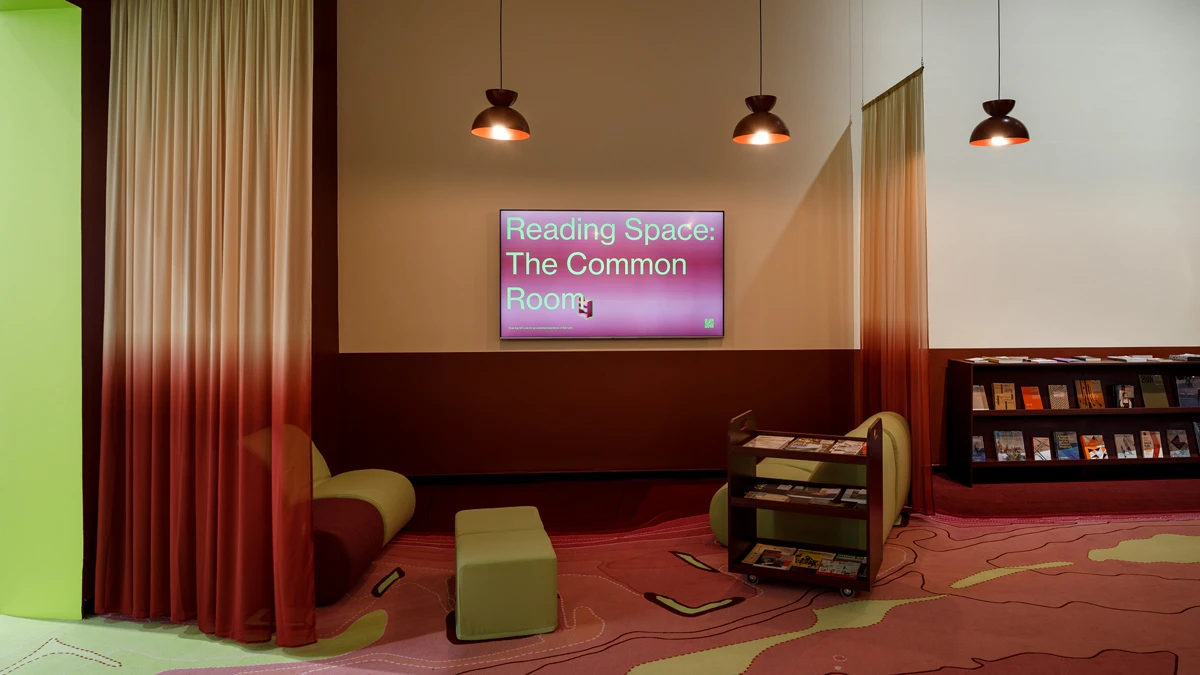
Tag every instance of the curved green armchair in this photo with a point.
(822, 529)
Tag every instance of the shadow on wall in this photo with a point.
(814, 256)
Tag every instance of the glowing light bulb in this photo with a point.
(1000, 140)
(501, 133)
(760, 138)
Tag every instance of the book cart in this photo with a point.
(963, 422)
(743, 513)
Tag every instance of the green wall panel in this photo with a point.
(41, 509)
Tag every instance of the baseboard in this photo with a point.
(578, 476)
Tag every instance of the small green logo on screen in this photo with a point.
(710, 323)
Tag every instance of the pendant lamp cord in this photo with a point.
(923, 33)
(862, 53)
(501, 44)
(997, 49)
(760, 47)
(850, 60)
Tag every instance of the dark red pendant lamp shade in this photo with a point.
(761, 126)
(999, 128)
(500, 122)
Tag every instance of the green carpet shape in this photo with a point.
(693, 561)
(94, 645)
(988, 575)
(736, 658)
(692, 611)
(1161, 548)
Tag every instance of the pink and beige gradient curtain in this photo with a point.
(895, 315)
(205, 483)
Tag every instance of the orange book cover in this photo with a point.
(1032, 398)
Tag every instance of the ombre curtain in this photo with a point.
(895, 315)
(206, 475)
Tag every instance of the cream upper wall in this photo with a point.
(631, 105)
(1088, 235)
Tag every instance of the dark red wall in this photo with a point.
(521, 412)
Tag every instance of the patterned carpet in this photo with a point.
(957, 596)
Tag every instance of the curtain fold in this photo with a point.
(895, 315)
(205, 477)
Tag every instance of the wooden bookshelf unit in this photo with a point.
(743, 512)
(963, 423)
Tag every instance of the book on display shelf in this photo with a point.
(811, 560)
(849, 448)
(768, 441)
(814, 495)
(766, 496)
(1089, 393)
(1031, 397)
(1041, 448)
(1185, 357)
(1088, 359)
(1006, 359)
(857, 496)
(775, 557)
(978, 452)
(978, 398)
(1196, 429)
(843, 565)
(1010, 446)
(811, 444)
(1066, 444)
(1093, 446)
(1177, 442)
(1037, 359)
(1065, 359)
(1004, 394)
(1123, 394)
(1126, 446)
(1151, 445)
(1154, 394)
(1059, 400)
(1134, 358)
(1185, 389)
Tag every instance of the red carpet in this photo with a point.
(970, 598)
(1083, 498)
(571, 505)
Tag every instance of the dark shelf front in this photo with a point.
(964, 424)
(744, 514)
(798, 454)
(799, 574)
(1087, 462)
(853, 513)
(1085, 412)
(1086, 364)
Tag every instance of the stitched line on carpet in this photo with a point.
(980, 662)
(368, 658)
(690, 635)
(949, 593)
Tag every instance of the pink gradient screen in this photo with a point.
(612, 274)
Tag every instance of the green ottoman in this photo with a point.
(506, 578)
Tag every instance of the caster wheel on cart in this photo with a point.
(847, 592)
(752, 579)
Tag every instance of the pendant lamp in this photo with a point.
(999, 129)
(761, 126)
(500, 122)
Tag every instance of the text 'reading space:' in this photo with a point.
(612, 274)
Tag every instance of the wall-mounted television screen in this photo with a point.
(612, 274)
